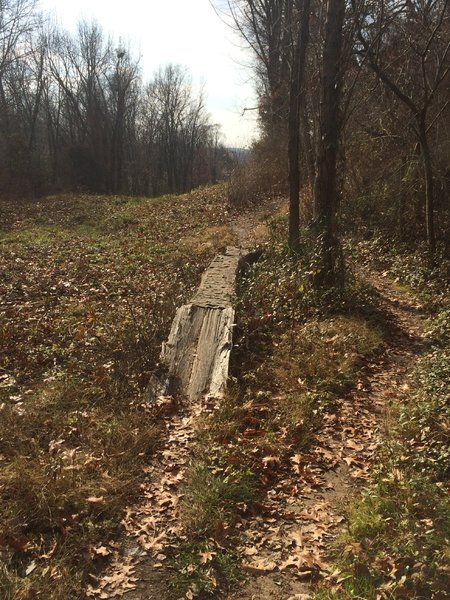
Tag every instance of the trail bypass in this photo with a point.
(286, 545)
(289, 546)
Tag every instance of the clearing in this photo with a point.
(110, 492)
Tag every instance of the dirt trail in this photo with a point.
(138, 567)
(288, 544)
(304, 511)
(249, 228)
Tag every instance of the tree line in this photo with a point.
(75, 114)
(354, 97)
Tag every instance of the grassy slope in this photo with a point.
(88, 287)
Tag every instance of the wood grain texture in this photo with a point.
(197, 352)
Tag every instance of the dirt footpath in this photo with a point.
(288, 545)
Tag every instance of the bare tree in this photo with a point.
(123, 101)
(325, 185)
(299, 45)
(74, 114)
(17, 17)
(182, 125)
(405, 45)
(265, 25)
(17, 20)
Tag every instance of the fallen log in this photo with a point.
(197, 352)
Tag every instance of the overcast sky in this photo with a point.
(185, 32)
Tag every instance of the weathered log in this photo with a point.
(197, 352)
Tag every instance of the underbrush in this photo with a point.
(294, 335)
(407, 266)
(397, 544)
(215, 497)
(260, 176)
(203, 570)
(88, 288)
(210, 501)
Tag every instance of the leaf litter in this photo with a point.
(288, 538)
(304, 509)
(84, 301)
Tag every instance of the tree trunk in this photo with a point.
(325, 186)
(296, 85)
(429, 187)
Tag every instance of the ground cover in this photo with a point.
(397, 541)
(88, 288)
(324, 473)
(276, 491)
(265, 503)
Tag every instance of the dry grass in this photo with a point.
(215, 239)
(88, 288)
(324, 353)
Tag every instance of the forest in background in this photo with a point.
(75, 114)
(354, 104)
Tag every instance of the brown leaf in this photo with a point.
(259, 567)
(306, 516)
(19, 544)
(250, 551)
(296, 459)
(96, 500)
(354, 445)
(206, 557)
(292, 561)
(100, 551)
(271, 461)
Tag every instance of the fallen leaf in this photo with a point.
(354, 445)
(259, 567)
(100, 551)
(292, 561)
(206, 557)
(95, 500)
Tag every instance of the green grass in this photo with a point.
(362, 588)
(203, 569)
(38, 235)
(212, 496)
